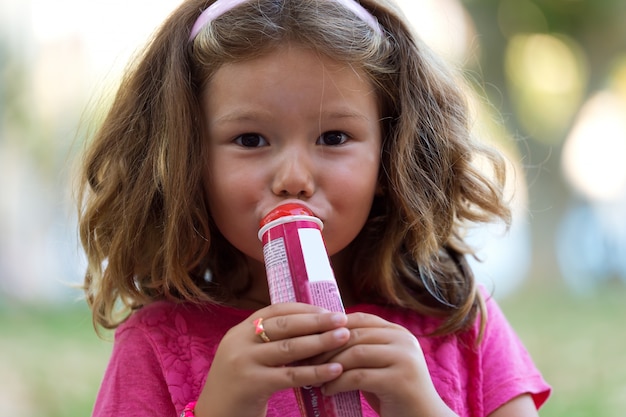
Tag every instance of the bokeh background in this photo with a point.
(548, 86)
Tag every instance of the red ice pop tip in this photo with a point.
(288, 209)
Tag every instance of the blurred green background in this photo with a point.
(549, 88)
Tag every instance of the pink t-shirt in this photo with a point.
(163, 352)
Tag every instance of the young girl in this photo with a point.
(238, 106)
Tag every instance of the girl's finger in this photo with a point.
(360, 338)
(367, 380)
(282, 309)
(296, 349)
(369, 356)
(305, 375)
(288, 326)
(365, 320)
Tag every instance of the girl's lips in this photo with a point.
(287, 208)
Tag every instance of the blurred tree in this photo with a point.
(597, 30)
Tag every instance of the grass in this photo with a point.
(53, 361)
(579, 343)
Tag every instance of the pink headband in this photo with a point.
(220, 7)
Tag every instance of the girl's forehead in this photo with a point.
(291, 64)
(293, 83)
(282, 51)
(293, 61)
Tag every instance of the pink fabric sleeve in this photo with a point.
(133, 384)
(508, 370)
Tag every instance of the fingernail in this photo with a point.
(334, 368)
(341, 333)
(338, 318)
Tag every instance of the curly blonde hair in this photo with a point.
(143, 216)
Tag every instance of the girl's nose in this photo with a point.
(294, 176)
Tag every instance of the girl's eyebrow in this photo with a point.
(239, 116)
(344, 114)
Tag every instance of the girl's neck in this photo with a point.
(344, 279)
(257, 295)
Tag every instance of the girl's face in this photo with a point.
(291, 126)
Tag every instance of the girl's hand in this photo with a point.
(385, 361)
(246, 371)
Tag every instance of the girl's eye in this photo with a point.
(332, 138)
(250, 140)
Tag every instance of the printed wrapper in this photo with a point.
(298, 269)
